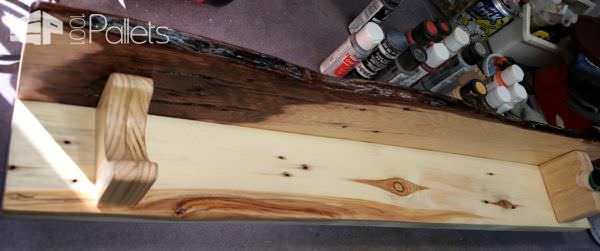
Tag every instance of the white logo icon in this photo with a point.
(41, 26)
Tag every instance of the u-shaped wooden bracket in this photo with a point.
(123, 172)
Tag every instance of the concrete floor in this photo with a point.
(301, 32)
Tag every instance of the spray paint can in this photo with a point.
(356, 48)
(404, 66)
(377, 11)
(445, 79)
(486, 17)
(394, 44)
(437, 54)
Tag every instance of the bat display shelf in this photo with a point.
(217, 132)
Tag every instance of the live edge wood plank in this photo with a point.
(217, 172)
(201, 79)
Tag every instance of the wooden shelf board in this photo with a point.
(223, 172)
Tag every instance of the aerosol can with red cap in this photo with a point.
(355, 49)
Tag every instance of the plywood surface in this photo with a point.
(202, 79)
(211, 171)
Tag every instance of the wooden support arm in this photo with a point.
(123, 172)
(567, 181)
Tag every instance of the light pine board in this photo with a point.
(570, 201)
(212, 171)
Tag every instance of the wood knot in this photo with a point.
(180, 211)
(502, 203)
(397, 186)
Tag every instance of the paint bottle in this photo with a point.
(394, 44)
(498, 98)
(356, 48)
(437, 54)
(445, 79)
(518, 94)
(377, 11)
(405, 65)
(423, 34)
(444, 30)
(492, 63)
(506, 81)
(506, 78)
(458, 39)
(473, 93)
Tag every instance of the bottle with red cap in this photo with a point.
(444, 29)
(423, 34)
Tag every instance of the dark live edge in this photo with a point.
(236, 85)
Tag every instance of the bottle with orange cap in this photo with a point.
(504, 90)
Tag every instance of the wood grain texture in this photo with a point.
(201, 79)
(211, 171)
(123, 172)
(569, 200)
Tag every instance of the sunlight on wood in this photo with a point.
(46, 146)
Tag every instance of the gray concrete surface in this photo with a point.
(302, 32)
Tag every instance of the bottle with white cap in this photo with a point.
(457, 40)
(445, 79)
(437, 54)
(517, 94)
(508, 77)
(394, 44)
(356, 48)
(498, 99)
